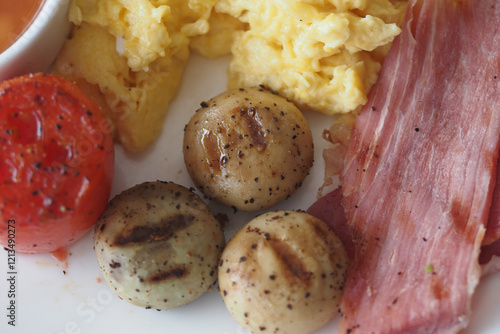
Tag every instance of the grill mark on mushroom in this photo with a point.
(255, 127)
(320, 230)
(294, 268)
(154, 232)
(214, 151)
(178, 272)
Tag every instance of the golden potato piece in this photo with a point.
(135, 101)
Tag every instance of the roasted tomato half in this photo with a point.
(56, 163)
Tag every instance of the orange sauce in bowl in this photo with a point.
(15, 18)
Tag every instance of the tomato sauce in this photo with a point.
(15, 18)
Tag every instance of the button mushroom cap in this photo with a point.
(248, 148)
(158, 245)
(284, 273)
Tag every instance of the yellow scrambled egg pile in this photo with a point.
(320, 54)
(129, 55)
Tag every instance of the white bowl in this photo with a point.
(36, 49)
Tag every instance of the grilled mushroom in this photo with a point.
(248, 148)
(284, 271)
(158, 245)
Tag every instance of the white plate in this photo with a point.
(55, 298)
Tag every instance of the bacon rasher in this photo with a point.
(420, 172)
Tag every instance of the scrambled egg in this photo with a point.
(321, 54)
(129, 55)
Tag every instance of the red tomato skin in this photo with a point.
(56, 163)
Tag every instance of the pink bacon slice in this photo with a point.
(492, 234)
(420, 171)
